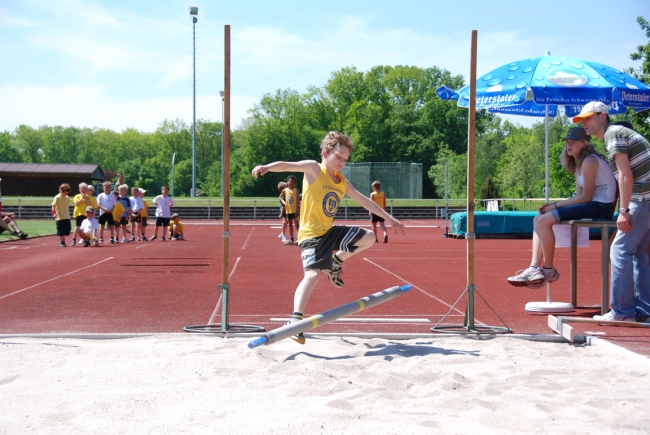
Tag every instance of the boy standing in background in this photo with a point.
(61, 213)
(106, 203)
(380, 199)
(163, 204)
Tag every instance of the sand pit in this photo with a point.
(188, 383)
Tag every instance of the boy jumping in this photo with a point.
(323, 189)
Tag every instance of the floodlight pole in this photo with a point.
(173, 158)
(194, 11)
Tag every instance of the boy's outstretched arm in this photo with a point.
(309, 167)
(370, 205)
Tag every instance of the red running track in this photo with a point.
(161, 286)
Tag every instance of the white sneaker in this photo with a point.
(611, 317)
(530, 276)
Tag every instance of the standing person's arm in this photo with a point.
(625, 187)
(384, 199)
(281, 197)
(372, 207)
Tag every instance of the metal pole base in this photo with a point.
(549, 307)
(217, 329)
(468, 327)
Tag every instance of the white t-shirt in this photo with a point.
(136, 204)
(162, 206)
(88, 225)
(107, 201)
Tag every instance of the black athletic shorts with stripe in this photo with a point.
(316, 253)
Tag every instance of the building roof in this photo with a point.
(53, 168)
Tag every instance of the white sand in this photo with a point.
(188, 383)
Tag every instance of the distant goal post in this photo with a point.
(400, 180)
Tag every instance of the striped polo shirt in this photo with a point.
(619, 139)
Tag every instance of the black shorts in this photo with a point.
(375, 218)
(143, 220)
(106, 218)
(162, 222)
(291, 216)
(317, 253)
(123, 221)
(135, 219)
(63, 227)
(79, 220)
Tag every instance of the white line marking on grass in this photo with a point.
(216, 308)
(249, 236)
(57, 277)
(414, 286)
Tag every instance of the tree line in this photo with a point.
(392, 114)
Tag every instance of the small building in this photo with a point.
(44, 179)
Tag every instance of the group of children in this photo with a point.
(116, 211)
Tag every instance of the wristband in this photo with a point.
(623, 210)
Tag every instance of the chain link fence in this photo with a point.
(398, 179)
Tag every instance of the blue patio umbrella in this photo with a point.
(537, 86)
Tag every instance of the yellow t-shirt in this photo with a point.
(80, 209)
(291, 199)
(177, 227)
(320, 202)
(118, 211)
(379, 198)
(61, 206)
(145, 210)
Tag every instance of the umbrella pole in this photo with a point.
(547, 193)
(470, 290)
(548, 306)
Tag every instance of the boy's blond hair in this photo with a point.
(83, 186)
(123, 186)
(333, 138)
(282, 185)
(107, 183)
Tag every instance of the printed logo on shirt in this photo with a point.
(331, 204)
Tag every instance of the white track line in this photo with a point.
(414, 286)
(249, 236)
(141, 246)
(364, 320)
(52, 279)
(216, 308)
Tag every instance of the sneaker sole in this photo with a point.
(298, 339)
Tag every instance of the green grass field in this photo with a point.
(33, 228)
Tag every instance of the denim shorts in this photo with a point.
(588, 210)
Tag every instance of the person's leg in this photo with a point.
(12, 223)
(544, 231)
(625, 248)
(285, 222)
(304, 289)
(374, 230)
(642, 267)
(383, 228)
(5, 226)
(362, 244)
(290, 225)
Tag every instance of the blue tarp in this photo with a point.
(495, 222)
(502, 222)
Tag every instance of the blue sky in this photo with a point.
(118, 64)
